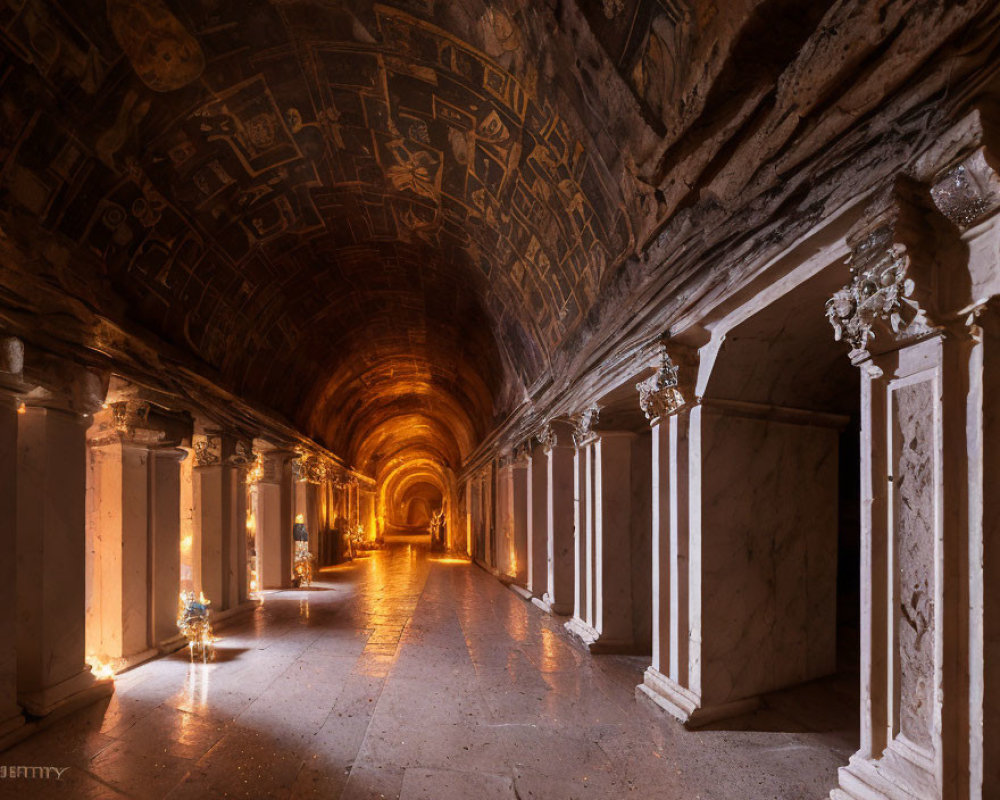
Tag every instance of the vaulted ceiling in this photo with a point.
(386, 220)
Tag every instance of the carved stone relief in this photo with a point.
(660, 394)
(584, 423)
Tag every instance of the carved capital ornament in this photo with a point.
(660, 395)
(890, 267)
(583, 431)
(207, 450)
(547, 437)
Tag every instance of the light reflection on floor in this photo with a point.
(405, 674)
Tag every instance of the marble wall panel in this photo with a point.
(914, 512)
(769, 555)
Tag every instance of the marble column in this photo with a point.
(913, 503)
(51, 541)
(671, 564)
(984, 555)
(468, 516)
(514, 529)
(220, 516)
(490, 518)
(273, 512)
(582, 532)
(11, 358)
(537, 544)
(676, 580)
(118, 614)
(165, 542)
(559, 522)
(927, 342)
(604, 620)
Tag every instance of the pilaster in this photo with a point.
(51, 463)
(926, 386)
(220, 515)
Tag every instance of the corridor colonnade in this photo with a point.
(877, 330)
(700, 525)
(119, 500)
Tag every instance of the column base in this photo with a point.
(594, 642)
(80, 690)
(520, 591)
(557, 609)
(686, 706)
(172, 645)
(135, 659)
(904, 772)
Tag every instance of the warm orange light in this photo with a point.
(102, 670)
(300, 519)
(22, 408)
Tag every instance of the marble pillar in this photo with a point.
(515, 529)
(51, 542)
(671, 579)
(915, 720)
(118, 536)
(559, 525)
(190, 532)
(165, 543)
(273, 512)
(984, 555)
(582, 532)
(605, 616)
(468, 517)
(11, 717)
(926, 340)
(220, 516)
(537, 544)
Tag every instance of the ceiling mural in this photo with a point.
(311, 193)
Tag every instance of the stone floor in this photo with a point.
(406, 675)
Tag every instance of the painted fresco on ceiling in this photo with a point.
(200, 143)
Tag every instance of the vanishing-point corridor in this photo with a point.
(409, 675)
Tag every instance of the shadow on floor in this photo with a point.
(221, 654)
(829, 705)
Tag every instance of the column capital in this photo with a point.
(521, 454)
(968, 193)
(894, 261)
(547, 437)
(584, 422)
(57, 383)
(11, 362)
(268, 464)
(311, 468)
(664, 393)
(214, 448)
(555, 433)
(125, 422)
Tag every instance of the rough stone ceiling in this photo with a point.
(389, 221)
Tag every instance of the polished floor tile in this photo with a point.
(405, 676)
